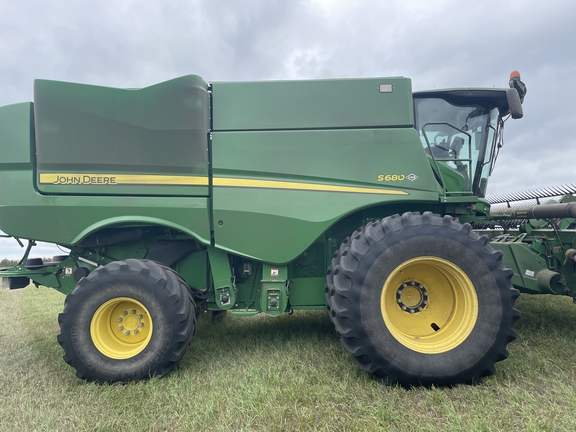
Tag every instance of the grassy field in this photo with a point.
(286, 373)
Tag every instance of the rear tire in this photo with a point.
(422, 300)
(125, 321)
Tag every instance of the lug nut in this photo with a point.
(127, 333)
(124, 313)
(140, 316)
(120, 328)
(136, 331)
(141, 325)
(133, 311)
(119, 320)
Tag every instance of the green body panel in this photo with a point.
(304, 292)
(284, 218)
(29, 214)
(194, 268)
(16, 136)
(89, 135)
(186, 214)
(317, 104)
(453, 180)
(68, 219)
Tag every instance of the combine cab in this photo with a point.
(264, 197)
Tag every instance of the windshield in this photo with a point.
(461, 137)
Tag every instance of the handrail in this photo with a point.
(436, 160)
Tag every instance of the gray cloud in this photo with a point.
(438, 44)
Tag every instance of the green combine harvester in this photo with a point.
(352, 195)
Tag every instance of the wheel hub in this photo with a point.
(121, 328)
(129, 323)
(429, 304)
(412, 297)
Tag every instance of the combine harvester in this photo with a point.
(353, 195)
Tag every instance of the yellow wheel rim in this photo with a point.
(121, 328)
(429, 305)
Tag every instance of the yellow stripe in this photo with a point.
(120, 179)
(66, 179)
(272, 184)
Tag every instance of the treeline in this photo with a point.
(11, 263)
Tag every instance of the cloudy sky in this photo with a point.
(437, 43)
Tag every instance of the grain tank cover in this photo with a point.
(316, 104)
(101, 140)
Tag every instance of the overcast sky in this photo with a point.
(436, 43)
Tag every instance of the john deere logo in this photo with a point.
(84, 179)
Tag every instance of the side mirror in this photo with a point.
(514, 103)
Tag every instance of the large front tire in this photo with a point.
(422, 300)
(126, 321)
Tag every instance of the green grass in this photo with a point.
(286, 373)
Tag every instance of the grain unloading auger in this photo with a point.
(350, 195)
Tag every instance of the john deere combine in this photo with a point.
(267, 197)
